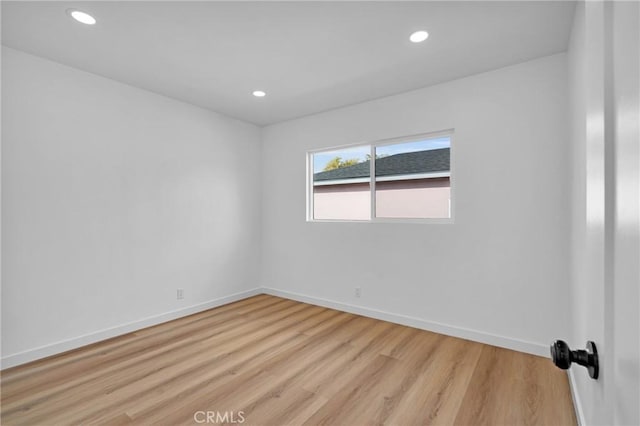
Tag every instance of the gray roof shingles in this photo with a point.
(435, 160)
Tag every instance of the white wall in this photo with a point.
(114, 197)
(499, 274)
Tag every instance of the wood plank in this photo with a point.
(282, 362)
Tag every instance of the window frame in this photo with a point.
(372, 179)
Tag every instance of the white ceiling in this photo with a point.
(308, 56)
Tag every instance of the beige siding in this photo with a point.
(348, 202)
(417, 198)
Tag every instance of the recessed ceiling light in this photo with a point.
(83, 17)
(419, 36)
(259, 94)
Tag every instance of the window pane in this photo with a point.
(413, 179)
(341, 188)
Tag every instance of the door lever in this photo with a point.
(563, 356)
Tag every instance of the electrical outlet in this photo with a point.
(358, 291)
(180, 294)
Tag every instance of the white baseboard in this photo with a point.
(449, 330)
(577, 404)
(76, 342)
(463, 333)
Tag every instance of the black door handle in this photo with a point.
(563, 356)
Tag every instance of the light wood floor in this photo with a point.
(282, 362)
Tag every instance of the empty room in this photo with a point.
(320, 213)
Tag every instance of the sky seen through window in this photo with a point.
(360, 153)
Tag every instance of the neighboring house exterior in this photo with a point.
(409, 185)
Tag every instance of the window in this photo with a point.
(409, 179)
